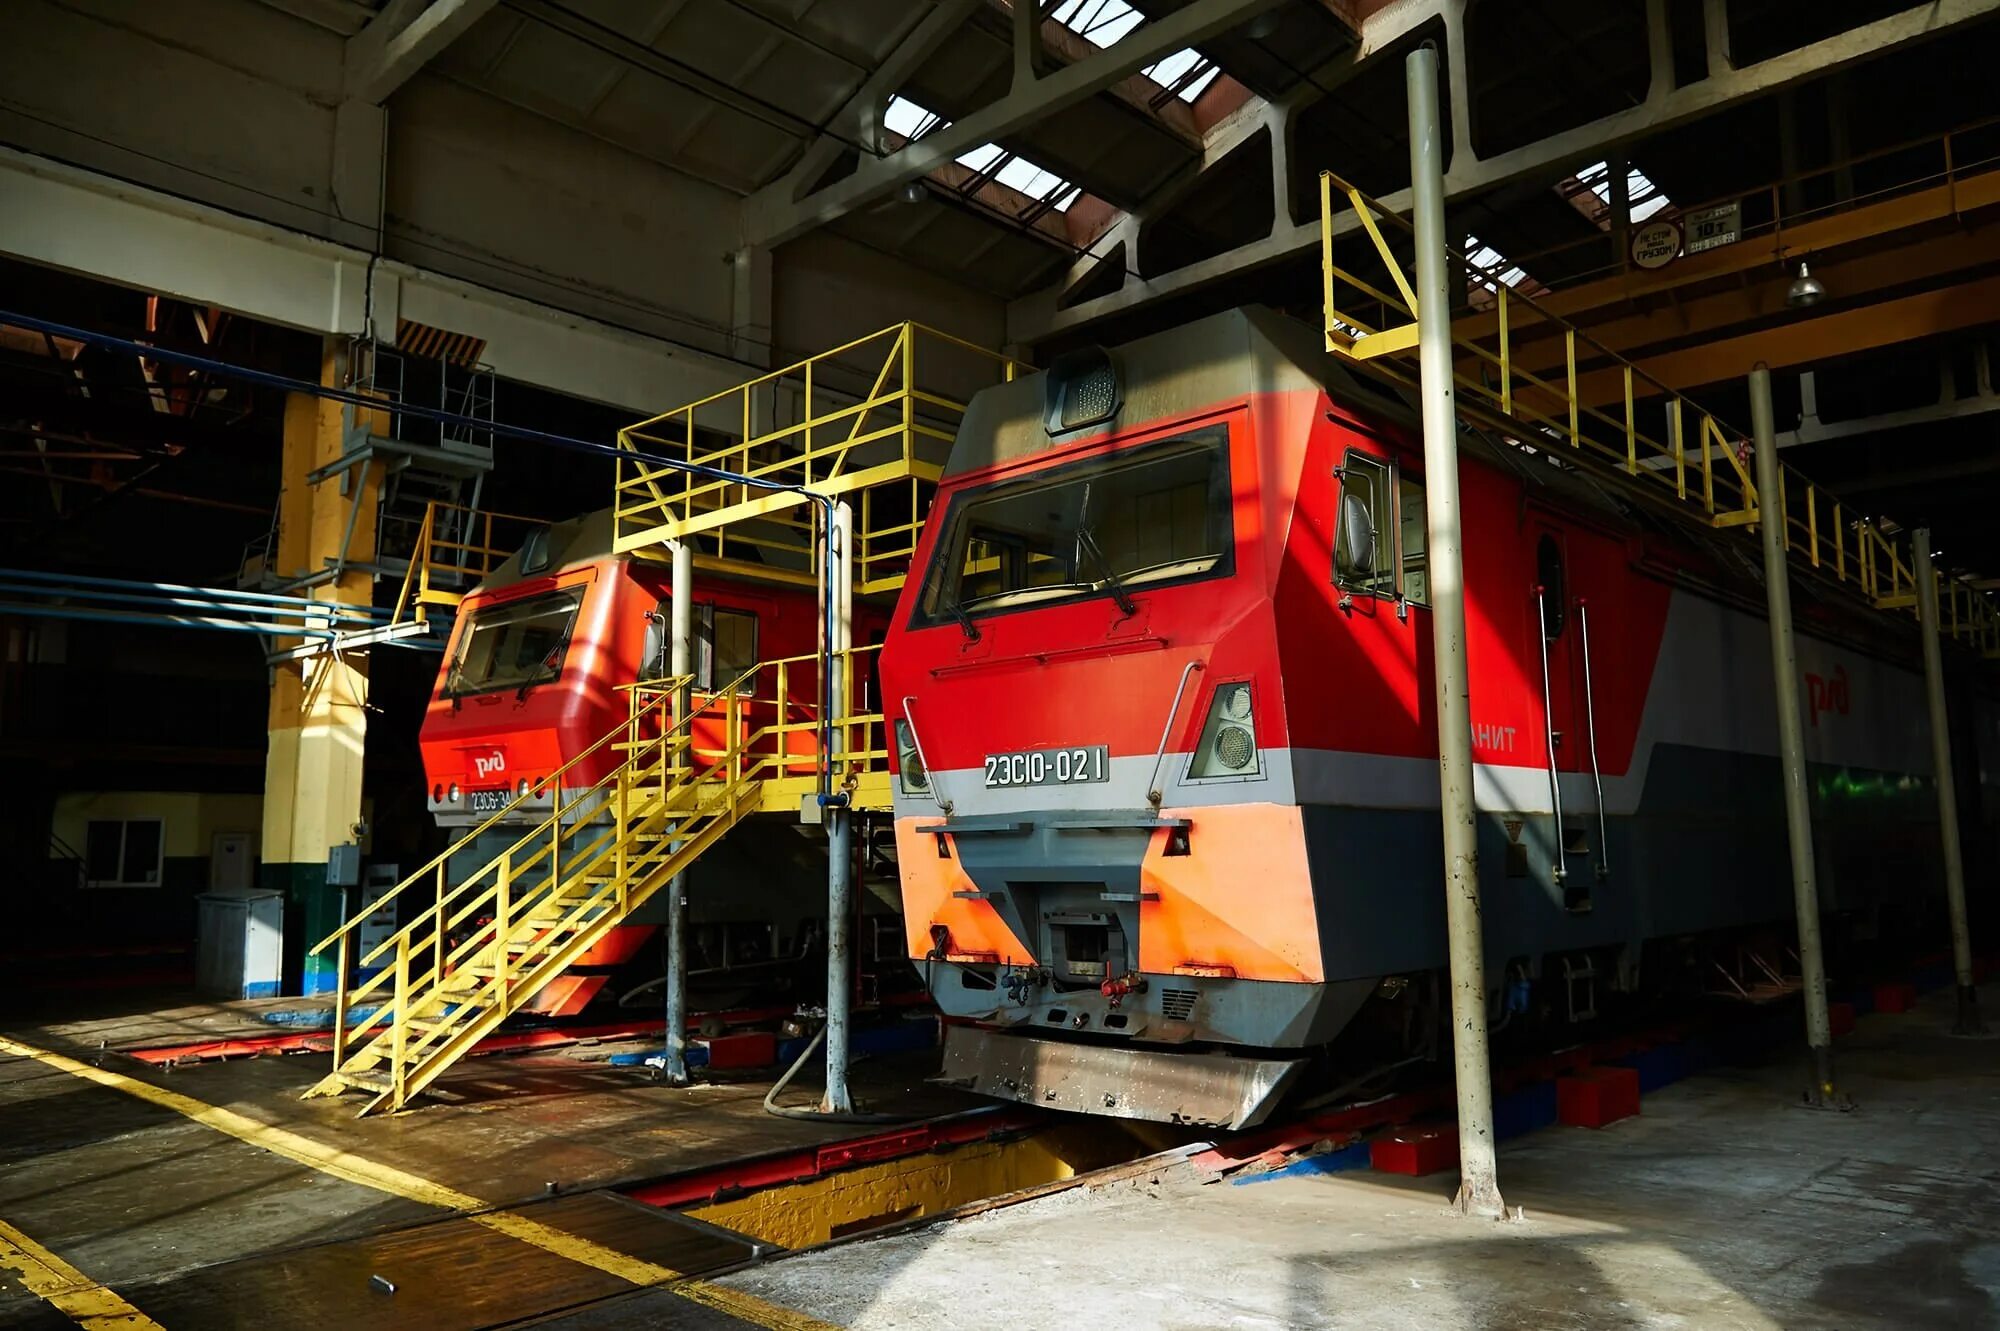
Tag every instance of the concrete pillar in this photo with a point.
(1479, 1186)
(680, 614)
(318, 719)
(1792, 744)
(1967, 1020)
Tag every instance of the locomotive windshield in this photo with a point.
(516, 645)
(1101, 527)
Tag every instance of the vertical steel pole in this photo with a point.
(1967, 1020)
(1479, 1184)
(680, 664)
(839, 821)
(1791, 739)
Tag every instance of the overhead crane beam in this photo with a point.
(1804, 339)
(400, 40)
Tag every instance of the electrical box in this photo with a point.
(343, 865)
(239, 952)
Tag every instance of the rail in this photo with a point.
(1690, 461)
(873, 418)
(455, 548)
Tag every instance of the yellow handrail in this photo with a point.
(1555, 417)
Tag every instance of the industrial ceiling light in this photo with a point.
(913, 191)
(1806, 289)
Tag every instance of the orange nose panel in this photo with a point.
(1240, 903)
(929, 882)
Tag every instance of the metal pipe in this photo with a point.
(1590, 722)
(1556, 850)
(680, 646)
(1153, 792)
(330, 615)
(1967, 1021)
(1791, 741)
(71, 581)
(1479, 1186)
(839, 822)
(166, 621)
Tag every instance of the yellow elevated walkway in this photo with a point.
(871, 421)
(1653, 443)
(488, 943)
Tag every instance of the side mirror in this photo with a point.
(1354, 543)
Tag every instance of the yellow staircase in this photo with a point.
(487, 944)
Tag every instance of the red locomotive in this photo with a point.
(1166, 810)
(531, 680)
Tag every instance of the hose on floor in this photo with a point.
(813, 1115)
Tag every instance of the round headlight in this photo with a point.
(1236, 702)
(437, 794)
(524, 787)
(452, 792)
(914, 776)
(1234, 748)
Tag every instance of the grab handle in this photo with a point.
(1549, 730)
(1590, 722)
(1153, 793)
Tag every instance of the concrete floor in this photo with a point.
(1721, 1206)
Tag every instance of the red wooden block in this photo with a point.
(1840, 1017)
(1416, 1151)
(1593, 1097)
(749, 1049)
(1897, 997)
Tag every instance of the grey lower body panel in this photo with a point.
(1206, 1090)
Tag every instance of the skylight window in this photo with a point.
(912, 121)
(1641, 194)
(1102, 22)
(1493, 266)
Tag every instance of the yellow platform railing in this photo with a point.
(1691, 461)
(456, 547)
(872, 419)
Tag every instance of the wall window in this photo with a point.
(123, 852)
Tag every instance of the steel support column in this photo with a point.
(318, 715)
(1967, 1020)
(839, 822)
(1479, 1186)
(681, 664)
(1792, 745)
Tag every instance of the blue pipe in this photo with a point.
(169, 621)
(74, 580)
(328, 610)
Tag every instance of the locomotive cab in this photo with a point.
(1091, 724)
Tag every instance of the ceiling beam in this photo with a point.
(858, 121)
(1037, 316)
(774, 215)
(401, 40)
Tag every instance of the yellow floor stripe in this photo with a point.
(51, 1279)
(400, 1183)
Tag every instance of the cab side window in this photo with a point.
(1364, 533)
(725, 646)
(1381, 535)
(1413, 538)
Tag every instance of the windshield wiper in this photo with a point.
(1126, 605)
(959, 613)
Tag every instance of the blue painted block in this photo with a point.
(1525, 1110)
(1342, 1161)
